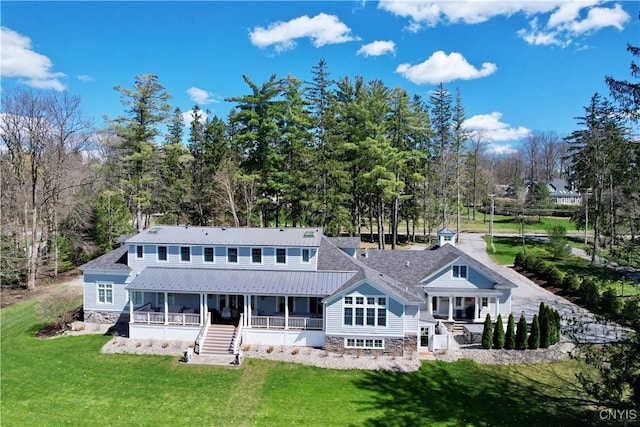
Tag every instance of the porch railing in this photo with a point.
(237, 339)
(203, 333)
(155, 318)
(277, 322)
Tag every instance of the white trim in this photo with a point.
(141, 250)
(180, 254)
(363, 341)
(261, 256)
(308, 261)
(107, 287)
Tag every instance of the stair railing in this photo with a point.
(203, 333)
(237, 339)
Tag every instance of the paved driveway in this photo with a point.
(527, 296)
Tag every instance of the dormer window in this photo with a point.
(208, 254)
(305, 255)
(139, 252)
(460, 271)
(281, 256)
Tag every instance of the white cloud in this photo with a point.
(377, 48)
(564, 19)
(20, 61)
(188, 117)
(599, 18)
(437, 12)
(201, 96)
(85, 78)
(322, 29)
(493, 129)
(443, 68)
(501, 149)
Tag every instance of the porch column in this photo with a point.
(202, 296)
(497, 306)
(430, 305)
(166, 308)
(247, 310)
(205, 309)
(130, 309)
(450, 308)
(286, 311)
(476, 314)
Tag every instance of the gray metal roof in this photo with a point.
(114, 260)
(304, 283)
(247, 236)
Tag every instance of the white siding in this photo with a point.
(474, 279)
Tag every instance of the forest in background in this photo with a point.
(346, 155)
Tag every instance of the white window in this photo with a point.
(162, 253)
(185, 253)
(139, 251)
(365, 311)
(484, 302)
(363, 343)
(281, 256)
(460, 271)
(105, 293)
(306, 256)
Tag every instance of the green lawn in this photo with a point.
(67, 381)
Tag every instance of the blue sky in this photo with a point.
(520, 66)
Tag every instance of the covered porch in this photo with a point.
(262, 311)
(462, 305)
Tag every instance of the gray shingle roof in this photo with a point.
(345, 242)
(412, 266)
(114, 260)
(331, 258)
(247, 236)
(307, 283)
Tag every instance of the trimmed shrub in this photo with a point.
(571, 282)
(510, 338)
(519, 260)
(554, 277)
(589, 293)
(610, 303)
(631, 312)
(487, 333)
(534, 336)
(521, 333)
(498, 334)
(545, 330)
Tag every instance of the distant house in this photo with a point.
(221, 287)
(563, 193)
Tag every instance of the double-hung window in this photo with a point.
(162, 253)
(185, 253)
(232, 255)
(305, 256)
(256, 255)
(365, 311)
(105, 293)
(281, 256)
(139, 251)
(208, 254)
(460, 271)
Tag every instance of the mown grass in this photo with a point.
(67, 381)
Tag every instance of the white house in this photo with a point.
(221, 287)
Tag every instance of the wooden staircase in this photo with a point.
(219, 340)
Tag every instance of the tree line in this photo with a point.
(347, 155)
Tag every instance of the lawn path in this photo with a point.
(245, 396)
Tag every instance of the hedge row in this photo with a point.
(545, 331)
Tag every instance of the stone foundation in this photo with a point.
(392, 346)
(104, 317)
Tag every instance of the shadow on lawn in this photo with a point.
(464, 393)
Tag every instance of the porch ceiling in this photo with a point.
(308, 283)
